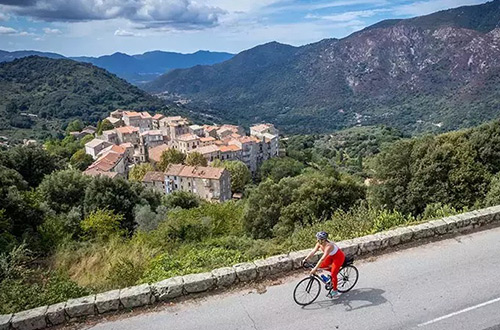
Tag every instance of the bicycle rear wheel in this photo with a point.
(306, 291)
(347, 278)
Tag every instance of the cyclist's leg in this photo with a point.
(326, 263)
(338, 260)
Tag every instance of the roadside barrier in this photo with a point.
(166, 290)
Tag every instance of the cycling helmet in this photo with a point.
(322, 235)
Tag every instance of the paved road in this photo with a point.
(448, 285)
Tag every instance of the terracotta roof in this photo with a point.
(188, 137)
(154, 176)
(155, 153)
(107, 162)
(231, 147)
(136, 114)
(174, 169)
(127, 129)
(127, 145)
(210, 128)
(206, 149)
(195, 171)
(158, 116)
(207, 139)
(247, 139)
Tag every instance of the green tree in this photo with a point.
(20, 213)
(32, 162)
(240, 174)
(138, 172)
(493, 195)
(63, 190)
(196, 159)
(182, 199)
(102, 224)
(279, 168)
(119, 196)
(75, 126)
(170, 156)
(277, 208)
(103, 125)
(80, 160)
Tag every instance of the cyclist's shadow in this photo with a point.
(368, 297)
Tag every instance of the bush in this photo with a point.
(102, 224)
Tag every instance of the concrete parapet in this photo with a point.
(224, 276)
(5, 321)
(174, 287)
(80, 306)
(55, 313)
(168, 289)
(107, 301)
(194, 283)
(136, 296)
(246, 271)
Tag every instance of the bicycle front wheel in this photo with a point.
(306, 291)
(347, 278)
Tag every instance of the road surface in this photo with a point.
(448, 285)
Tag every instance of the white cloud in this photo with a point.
(3, 16)
(150, 13)
(7, 30)
(347, 16)
(51, 31)
(24, 34)
(125, 33)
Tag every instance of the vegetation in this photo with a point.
(170, 156)
(138, 172)
(334, 84)
(240, 174)
(64, 234)
(196, 159)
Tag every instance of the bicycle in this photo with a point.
(310, 287)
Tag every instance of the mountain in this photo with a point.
(145, 67)
(138, 68)
(435, 72)
(37, 90)
(10, 56)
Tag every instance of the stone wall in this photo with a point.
(166, 290)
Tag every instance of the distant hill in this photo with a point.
(61, 89)
(436, 72)
(145, 67)
(10, 56)
(136, 69)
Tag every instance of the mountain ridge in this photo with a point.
(398, 73)
(136, 68)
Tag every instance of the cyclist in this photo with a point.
(332, 257)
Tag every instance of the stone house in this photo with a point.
(155, 180)
(187, 142)
(128, 134)
(142, 120)
(95, 146)
(212, 184)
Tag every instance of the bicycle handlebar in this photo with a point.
(308, 265)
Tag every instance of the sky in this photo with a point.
(99, 27)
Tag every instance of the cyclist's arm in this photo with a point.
(316, 248)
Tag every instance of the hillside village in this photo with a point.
(138, 137)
